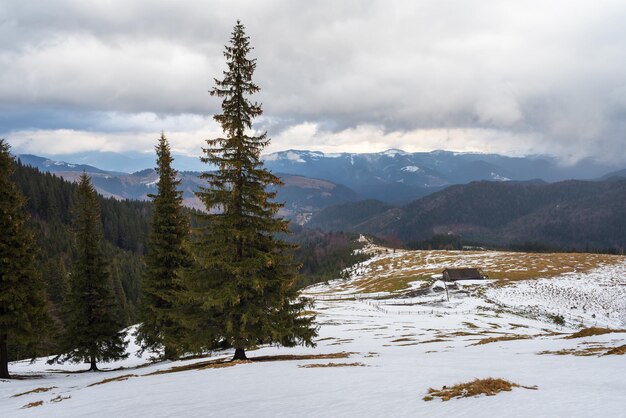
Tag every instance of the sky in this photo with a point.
(509, 77)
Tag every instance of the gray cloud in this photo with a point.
(510, 76)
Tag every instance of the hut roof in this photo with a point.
(462, 274)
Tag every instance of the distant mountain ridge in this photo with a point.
(52, 166)
(302, 196)
(571, 214)
(397, 176)
(315, 181)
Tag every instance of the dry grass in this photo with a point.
(60, 398)
(436, 340)
(225, 364)
(290, 357)
(113, 379)
(314, 366)
(186, 367)
(32, 404)
(619, 351)
(395, 272)
(581, 352)
(221, 363)
(488, 387)
(37, 390)
(460, 334)
(548, 333)
(598, 350)
(589, 332)
(470, 325)
(402, 340)
(503, 338)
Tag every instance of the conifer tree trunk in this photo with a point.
(169, 353)
(94, 366)
(240, 354)
(4, 357)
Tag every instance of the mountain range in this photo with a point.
(572, 214)
(302, 196)
(396, 176)
(411, 196)
(367, 173)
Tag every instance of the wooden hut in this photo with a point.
(452, 275)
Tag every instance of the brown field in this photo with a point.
(396, 270)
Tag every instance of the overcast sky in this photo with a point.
(513, 77)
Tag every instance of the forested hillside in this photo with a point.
(569, 215)
(125, 222)
(49, 202)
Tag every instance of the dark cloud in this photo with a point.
(511, 76)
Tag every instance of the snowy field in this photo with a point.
(377, 357)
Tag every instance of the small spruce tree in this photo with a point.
(168, 253)
(93, 327)
(24, 318)
(243, 281)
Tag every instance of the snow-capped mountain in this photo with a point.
(302, 196)
(54, 166)
(392, 176)
(395, 175)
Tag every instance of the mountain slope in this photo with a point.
(397, 176)
(302, 196)
(392, 176)
(125, 226)
(570, 214)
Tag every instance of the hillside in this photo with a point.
(303, 196)
(378, 352)
(570, 215)
(126, 224)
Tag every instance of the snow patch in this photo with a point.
(294, 156)
(498, 177)
(393, 152)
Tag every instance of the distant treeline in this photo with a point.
(324, 255)
(455, 242)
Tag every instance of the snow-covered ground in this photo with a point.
(397, 348)
(596, 298)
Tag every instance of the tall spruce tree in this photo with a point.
(168, 253)
(93, 326)
(244, 278)
(24, 316)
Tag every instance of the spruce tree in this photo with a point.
(93, 327)
(24, 316)
(244, 278)
(168, 253)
